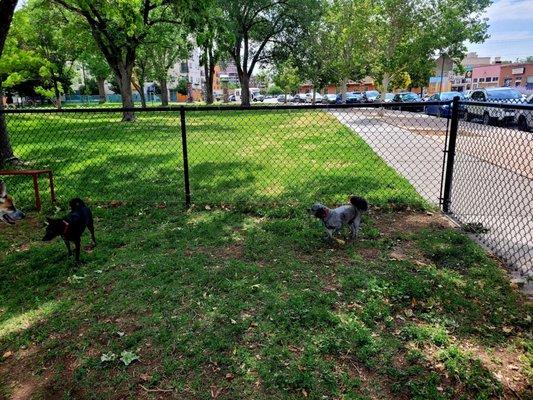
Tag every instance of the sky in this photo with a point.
(511, 30)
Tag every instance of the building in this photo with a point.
(517, 75)
(191, 70)
(230, 69)
(486, 76)
(473, 60)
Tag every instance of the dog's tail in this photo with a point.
(359, 203)
(76, 204)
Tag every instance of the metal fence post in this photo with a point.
(185, 158)
(450, 158)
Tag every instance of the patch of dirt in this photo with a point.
(504, 364)
(231, 251)
(392, 224)
(369, 253)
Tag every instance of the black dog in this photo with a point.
(72, 227)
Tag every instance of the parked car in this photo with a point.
(282, 98)
(371, 96)
(299, 98)
(408, 97)
(444, 110)
(490, 114)
(354, 97)
(387, 98)
(256, 96)
(524, 118)
(309, 97)
(330, 98)
(232, 98)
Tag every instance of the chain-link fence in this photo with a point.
(492, 193)
(391, 153)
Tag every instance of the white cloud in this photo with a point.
(516, 36)
(510, 10)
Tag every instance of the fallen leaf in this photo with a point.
(7, 354)
(215, 392)
(108, 357)
(145, 377)
(127, 357)
(230, 376)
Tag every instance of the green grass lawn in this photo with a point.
(243, 299)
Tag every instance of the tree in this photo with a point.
(7, 9)
(274, 90)
(92, 59)
(51, 35)
(183, 86)
(166, 43)
(263, 80)
(259, 26)
(138, 79)
(287, 77)
(347, 43)
(119, 27)
(211, 35)
(413, 32)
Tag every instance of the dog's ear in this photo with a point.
(3, 189)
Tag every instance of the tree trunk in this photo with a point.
(245, 89)
(101, 90)
(58, 95)
(139, 87)
(209, 77)
(344, 85)
(385, 83)
(6, 151)
(7, 8)
(164, 92)
(124, 75)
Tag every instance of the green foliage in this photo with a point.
(405, 36)
(183, 86)
(40, 51)
(287, 77)
(401, 80)
(274, 90)
(90, 87)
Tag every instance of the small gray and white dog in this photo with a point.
(349, 215)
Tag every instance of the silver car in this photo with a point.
(489, 114)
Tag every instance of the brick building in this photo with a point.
(519, 75)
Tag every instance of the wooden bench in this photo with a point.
(34, 173)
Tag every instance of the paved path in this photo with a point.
(499, 197)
